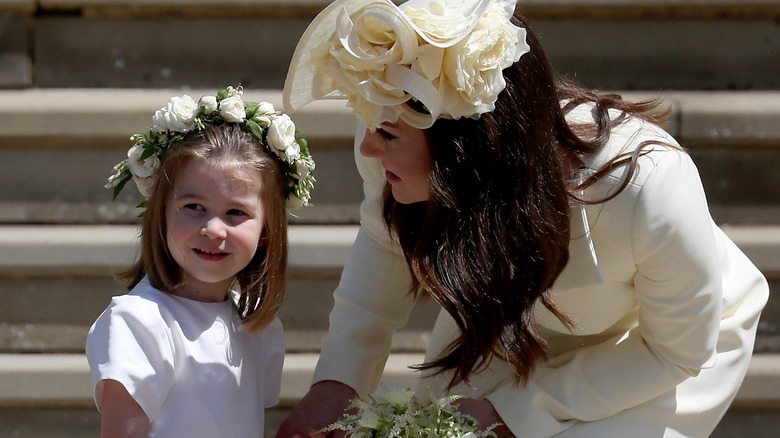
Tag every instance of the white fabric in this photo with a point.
(186, 364)
(665, 307)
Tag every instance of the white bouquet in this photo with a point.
(393, 411)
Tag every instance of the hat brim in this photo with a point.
(298, 86)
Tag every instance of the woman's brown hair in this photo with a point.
(494, 236)
(261, 283)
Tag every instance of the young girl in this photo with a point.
(196, 348)
(585, 290)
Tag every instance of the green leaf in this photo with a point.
(255, 129)
(120, 186)
(222, 94)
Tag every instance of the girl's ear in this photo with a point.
(263, 238)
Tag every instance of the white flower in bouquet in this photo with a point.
(393, 411)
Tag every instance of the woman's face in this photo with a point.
(404, 152)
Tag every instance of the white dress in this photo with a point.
(665, 307)
(186, 363)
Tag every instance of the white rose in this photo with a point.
(474, 67)
(232, 109)
(293, 152)
(441, 23)
(178, 115)
(138, 167)
(144, 185)
(264, 120)
(265, 114)
(265, 108)
(370, 419)
(281, 132)
(394, 393)
(358, 71)
(209, 104)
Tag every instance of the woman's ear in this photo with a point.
(263, 239)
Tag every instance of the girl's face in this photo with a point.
(215, 221)
(404, 152)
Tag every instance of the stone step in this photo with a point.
(643, 44)
(50, 395)
(274, 8)
(58, 146)
(55, 280)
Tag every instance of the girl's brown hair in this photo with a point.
(494, 236)
(262, 281)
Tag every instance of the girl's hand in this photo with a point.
(320, 407)
(483, 411)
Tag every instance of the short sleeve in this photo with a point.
(130, 343)
(274, 361)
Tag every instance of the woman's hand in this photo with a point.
(320, 407)
(484, 412)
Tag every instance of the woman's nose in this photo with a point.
(372, 145)
(214, 228)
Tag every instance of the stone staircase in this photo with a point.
(77, 77)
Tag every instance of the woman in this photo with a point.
(585, 289)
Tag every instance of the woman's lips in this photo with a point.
(391, 177)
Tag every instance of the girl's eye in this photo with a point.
(194, 207)
(236, 212)
(386, 135)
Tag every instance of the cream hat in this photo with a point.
(419, 61)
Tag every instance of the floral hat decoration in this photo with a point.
(183, 115)
(444, 55)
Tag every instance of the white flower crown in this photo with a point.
(447, 55)
(183, 115)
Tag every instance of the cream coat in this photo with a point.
(665, 307)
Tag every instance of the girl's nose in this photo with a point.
(214, 229)
(372, 145)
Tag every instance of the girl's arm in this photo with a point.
(122, 416)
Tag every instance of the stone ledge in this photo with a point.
(58, 380)
(26, 7)
(97, 249)
(70, 339)
(105, 118)
(653, 9)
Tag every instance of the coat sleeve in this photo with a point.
(372, 300)
(678, 288)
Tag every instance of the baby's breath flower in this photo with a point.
(395, 412)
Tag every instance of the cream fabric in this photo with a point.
(666, 308)
(186, 364)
